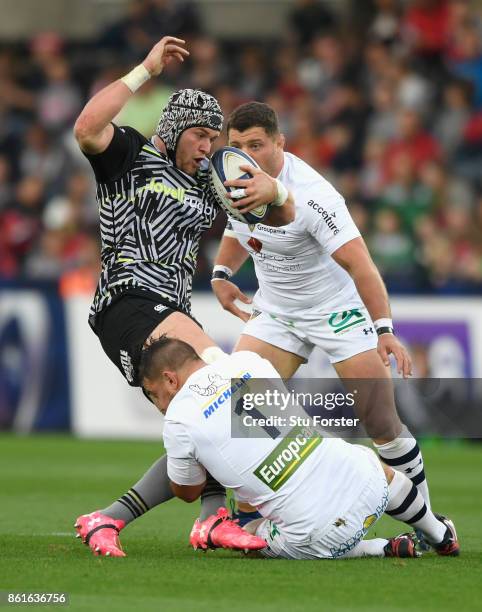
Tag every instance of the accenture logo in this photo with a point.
(327, 217)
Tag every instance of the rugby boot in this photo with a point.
(100, 533)
(403, 546)
(219, 531)
(449, 546)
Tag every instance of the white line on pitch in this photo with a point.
(35, 535)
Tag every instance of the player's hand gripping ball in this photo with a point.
(225, 166)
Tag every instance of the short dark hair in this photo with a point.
(254, 114)
(164, 353)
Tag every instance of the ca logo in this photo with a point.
(342, 320)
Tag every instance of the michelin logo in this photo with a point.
(225, 395)
(216, 381)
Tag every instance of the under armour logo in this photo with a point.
(368, 331)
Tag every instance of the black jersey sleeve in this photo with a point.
(120, 155)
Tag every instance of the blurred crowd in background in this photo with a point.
(385, 102)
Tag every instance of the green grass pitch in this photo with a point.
(45, 482)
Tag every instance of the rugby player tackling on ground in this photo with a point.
(327, 493)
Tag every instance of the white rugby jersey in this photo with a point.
(302, 487)
(293, 263)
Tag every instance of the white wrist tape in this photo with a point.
(282, 194)
(383, 323)
(136, 77)
(225, 269)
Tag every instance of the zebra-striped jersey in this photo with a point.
(152, 216)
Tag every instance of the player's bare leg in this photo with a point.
(376, 408)
(284, 362)
(180, 326)
(375, 404)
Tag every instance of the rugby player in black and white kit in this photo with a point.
(154, 205)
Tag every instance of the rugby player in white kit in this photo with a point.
(325, 496)
(318, 286)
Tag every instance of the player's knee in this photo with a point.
(190, 498)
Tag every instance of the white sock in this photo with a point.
(406, 504)
(368, 548)
(403, 454)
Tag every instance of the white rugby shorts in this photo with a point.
(344, 532)
(339, 334)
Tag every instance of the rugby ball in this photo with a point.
(225, 166)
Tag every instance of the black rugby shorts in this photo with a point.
(124, 326)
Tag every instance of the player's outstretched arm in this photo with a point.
(230, 258)
(355, 258)
(93, 129)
